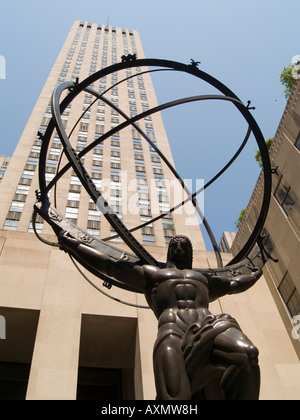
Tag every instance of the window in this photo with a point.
(137, 144)
(167, 224)
(97, 183)
(115, 159)
(285, 196)
(81, 143)
(98, 149)
(84, 126)
(115, 150)
(10, 224)
(51, 163)
(145, 219)
(268, 244)
(71, 213)
(156, 165)
(297, 144)
(115, 139)
(49, 177)
(56, 141)
(27, 174)
(97, 159)
(74, 196)
(38, 227)
(290, 295)
(36, 149)
(54, 151)
(144, 204)
(99, 129)
(158, 177)
(141, 175)
(17, 206)
(75, 180)
(164, 207)
(143, 189)
(22, 189)
(149, 240)
(94, 215)
(96, 172)
(115, 172)
(139, 162)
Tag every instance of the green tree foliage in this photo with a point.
(239, 221)
(258, 155)
(287, 80)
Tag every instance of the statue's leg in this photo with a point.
(172, 382)
(233, 350)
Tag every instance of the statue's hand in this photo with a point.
(257, 272)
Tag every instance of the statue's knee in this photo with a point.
(250, 356)
(246, 356)
(253, 355)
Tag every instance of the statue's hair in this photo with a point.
(180, 238)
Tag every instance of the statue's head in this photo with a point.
(180, 252)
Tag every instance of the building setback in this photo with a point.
(65, 340)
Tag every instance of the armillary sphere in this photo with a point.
(253, 252)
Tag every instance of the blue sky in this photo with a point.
(243, 44)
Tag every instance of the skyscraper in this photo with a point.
(64, 339)
(126, 158)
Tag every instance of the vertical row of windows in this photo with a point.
(72, 208)
(115, 200)
(17, 205)
(93, 65)
(70, 56)
(143, 190)
(164, 206)
(142, 185)
(104, 62)
(163, 198)
(3, 167)
(94, 214)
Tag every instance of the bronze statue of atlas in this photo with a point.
(197, 355)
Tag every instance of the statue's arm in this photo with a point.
(221, 286)
(124, 271)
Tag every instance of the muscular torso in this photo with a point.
(177, 296)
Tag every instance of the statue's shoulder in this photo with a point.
(157, 274)
(151, 270)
